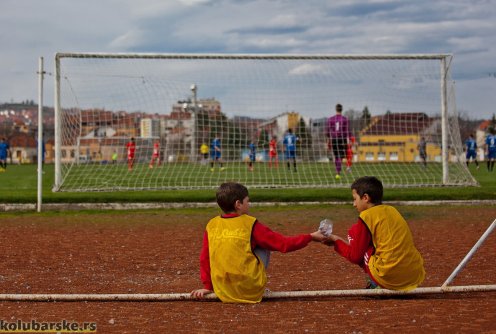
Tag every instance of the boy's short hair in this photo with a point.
(371, 186)
(339, 107)
(227, 195)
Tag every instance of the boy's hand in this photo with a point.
(200, 293)
(318, 236)
(330, 240)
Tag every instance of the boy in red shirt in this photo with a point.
(380, 242)
(236, 249)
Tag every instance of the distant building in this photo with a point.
(279, 125)
(394, 138)
(23, 148)
(150, 128)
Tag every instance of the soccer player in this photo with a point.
(289, 144)
(131, 150)
(155, 154)
(422, 148)
(204, 153)
(471, 146)
(491, 149)
(236, 249)
(215, 153)
(380, 242)
(273, 152)
(338, 134)
(4, 153)
(252, 154)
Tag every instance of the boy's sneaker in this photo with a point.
(371, 286)
(211, 169)
(338, 177)
(222, 169)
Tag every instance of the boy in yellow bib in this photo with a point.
(236, 249)
(381, 241)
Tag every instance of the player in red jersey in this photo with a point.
(349, 153)
(131, 150)
(273, 152)
(155, 154)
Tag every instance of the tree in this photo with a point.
(366, 116)
(354, 120)
(492, 124)
(466, 124)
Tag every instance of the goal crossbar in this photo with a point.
(247, 56)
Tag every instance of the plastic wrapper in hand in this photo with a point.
(326, 227)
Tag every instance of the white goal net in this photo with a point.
(192, 121)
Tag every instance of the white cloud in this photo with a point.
(128, 40)
(306, 69)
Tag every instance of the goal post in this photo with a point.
(401, 111)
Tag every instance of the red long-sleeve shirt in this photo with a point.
(359, 247)
(263, 237)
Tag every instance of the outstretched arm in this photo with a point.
(265, 238)
(353, 249)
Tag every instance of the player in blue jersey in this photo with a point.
(252, 155)
(491, 149)
(4, 153)
(215, 153)
(471, 146)
(289, 144)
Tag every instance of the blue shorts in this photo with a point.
(291, 154)
(471, 154)
(252, 158)
(492, 154)
(215, 155)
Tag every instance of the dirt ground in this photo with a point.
(157, 252)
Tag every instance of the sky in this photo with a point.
(30, 29)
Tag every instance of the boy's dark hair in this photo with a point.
(339, 107)
(227, 195)
(371, 186)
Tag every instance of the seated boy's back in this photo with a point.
(236, 249)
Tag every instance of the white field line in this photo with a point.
(6, 207)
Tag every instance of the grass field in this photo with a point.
(19, 185)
